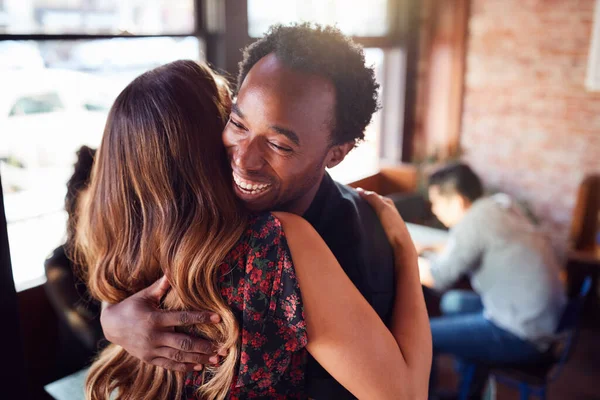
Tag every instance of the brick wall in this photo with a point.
(529, 127)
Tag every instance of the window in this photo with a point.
(136, 17)
(353, 17)
(56, 95)
(37, 104)
(364, 159)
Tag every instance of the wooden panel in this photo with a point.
(586, 214)
(372, 183)
(443, 83)
(400, 179)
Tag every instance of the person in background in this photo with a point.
(66, 291)
(518, 297)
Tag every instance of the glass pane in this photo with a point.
(38, 103)
(149, 17)
(353, 17)
(364, 159)
(55, 98)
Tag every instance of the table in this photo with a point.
(68, 388)
(426, 236)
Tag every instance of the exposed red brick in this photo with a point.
(529, 126)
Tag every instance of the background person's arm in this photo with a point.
(345, 335)
(425, 273)
(462, 253)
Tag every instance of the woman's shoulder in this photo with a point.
(260, 221)
(268, 224)
(263, 227)
(263, 235)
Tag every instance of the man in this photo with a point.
(304, 99)
(518, 296)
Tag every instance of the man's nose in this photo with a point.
(249, 155)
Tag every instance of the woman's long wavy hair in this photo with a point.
(161, 202)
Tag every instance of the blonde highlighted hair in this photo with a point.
(161, 202)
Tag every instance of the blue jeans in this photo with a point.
(466, 334)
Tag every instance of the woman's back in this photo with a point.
(278, 256)
(257, 280)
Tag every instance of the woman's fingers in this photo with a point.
(390, 218)
(379, 203)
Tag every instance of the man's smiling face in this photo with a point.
(279, 137)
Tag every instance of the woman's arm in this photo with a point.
(410, 322)
(345, 335)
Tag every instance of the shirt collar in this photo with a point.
(324, 200)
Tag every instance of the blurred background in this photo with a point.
(510, 86)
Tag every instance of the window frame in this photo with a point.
(199, 32)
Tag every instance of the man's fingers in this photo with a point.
(179, 356)
(168, 319)
(172, 365)
(186, 343)
(158, 289)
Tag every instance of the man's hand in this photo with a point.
(145, 331)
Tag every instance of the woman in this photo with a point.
(161, 197)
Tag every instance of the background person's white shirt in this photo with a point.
(511, 266)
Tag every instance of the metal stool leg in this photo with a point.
(466, 380)
(524, 390)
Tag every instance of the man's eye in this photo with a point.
(237, 124)
(287, 150)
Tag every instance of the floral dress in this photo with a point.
(258, 281)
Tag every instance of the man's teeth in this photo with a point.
(253, 187)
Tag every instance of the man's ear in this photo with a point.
(464, 202)
(337, 153)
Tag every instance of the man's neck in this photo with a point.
(300, 206)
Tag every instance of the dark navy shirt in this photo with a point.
(352, 230)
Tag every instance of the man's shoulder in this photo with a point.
(345, 217)
(351, 202)
(346, 191)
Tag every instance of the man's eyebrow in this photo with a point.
(235, 109)
(287, 133)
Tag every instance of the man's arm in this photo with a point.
(145, 331)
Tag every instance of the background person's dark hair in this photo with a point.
(80, 178)
(78, 182)
(327, 52)
(457, 178)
